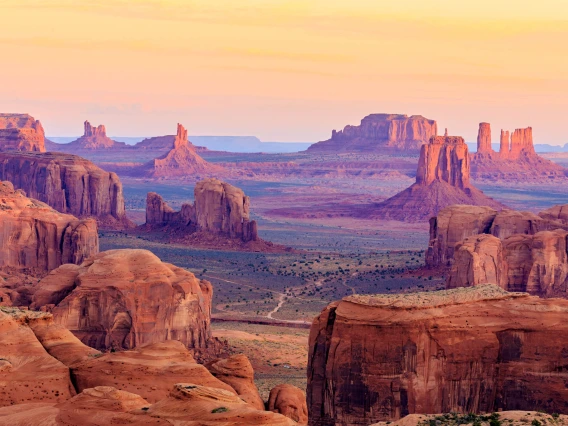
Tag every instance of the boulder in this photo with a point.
(289, 401)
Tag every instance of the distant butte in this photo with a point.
(380, 133)
(94, 138)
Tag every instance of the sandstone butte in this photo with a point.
(515, 161)
(442, 179)
(69, 184)
(455, 223)
(50, 377)
(182, 161)
(21, 132)
(382, 133)
(35, 237)
(94, 138)
(469, 350)
(120, 299)
(219, 209)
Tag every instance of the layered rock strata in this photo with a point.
(219, 209)
(21, 132)
(380, 133)
(33, 236)
(472, 350)
(120, 299)
(69, 184)
(442, 179)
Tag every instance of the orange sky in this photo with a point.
(284, 70)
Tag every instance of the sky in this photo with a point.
(285, 70)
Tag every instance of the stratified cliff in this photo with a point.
(442, 179)
(380, 133)
(480, 349)
(125, 298)
(69, 184)
(34, 236)
(21, 132)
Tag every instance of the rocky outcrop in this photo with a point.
(69, 184)
(442, 179)
(536, 264)
(289, 401)
(237, 372)
(34, 236)
(455, 223)
(125, 298)
(380, 133)
(516, 160)
(474, 350)
(21, 132)
(94, 138)
(219, 209)
(182, 161)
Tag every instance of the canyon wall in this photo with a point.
(36, 237)
(21, 132)
(69, 184)
(479, 350)
(380, 133)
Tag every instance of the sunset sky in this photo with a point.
(285, 70)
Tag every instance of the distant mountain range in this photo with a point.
(218, 143)
(542, 148)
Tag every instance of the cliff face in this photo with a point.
(34, 236)
(219, 209)
(379, 133)
(181, 161)
(21, 132)
(442, 179)
(378, 358)
(69, 184)
(125, 298)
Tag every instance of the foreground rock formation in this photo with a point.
(21, 132)
(472, 350)
(442, 179)
(120, 299)
(516, 160)
(33, 236)
(380, 133)
(69, 184)
(289, 401)
(182, 161)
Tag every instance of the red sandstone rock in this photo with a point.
(126, 298)
(34, 236)
(21, 132)
(379, 133)
(181, 161)
(289, 401)
(69, 184)
(556, 213)
(484, 139)
(94, 138)
(474, 350)
(237, 372)
(505, 145)
(442, 179)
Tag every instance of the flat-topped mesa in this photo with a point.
(34, 236)
(21, 132)
(444, 158)
(69, 184)
(379, 133)
(219, 209)
(484, 139)
(469, 350)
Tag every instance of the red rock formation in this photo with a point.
(125, 298)
(94, 138)
(69, 184)
(480, 349)
(521, 143)
(442, 179)
(380, 133)
(455, 223)
(237, 372)
(289, 401)
(181, 161)
(484, 139)
(556, 213)
(505, 145)
(21, 132)
(34, 236)
(219, 209)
